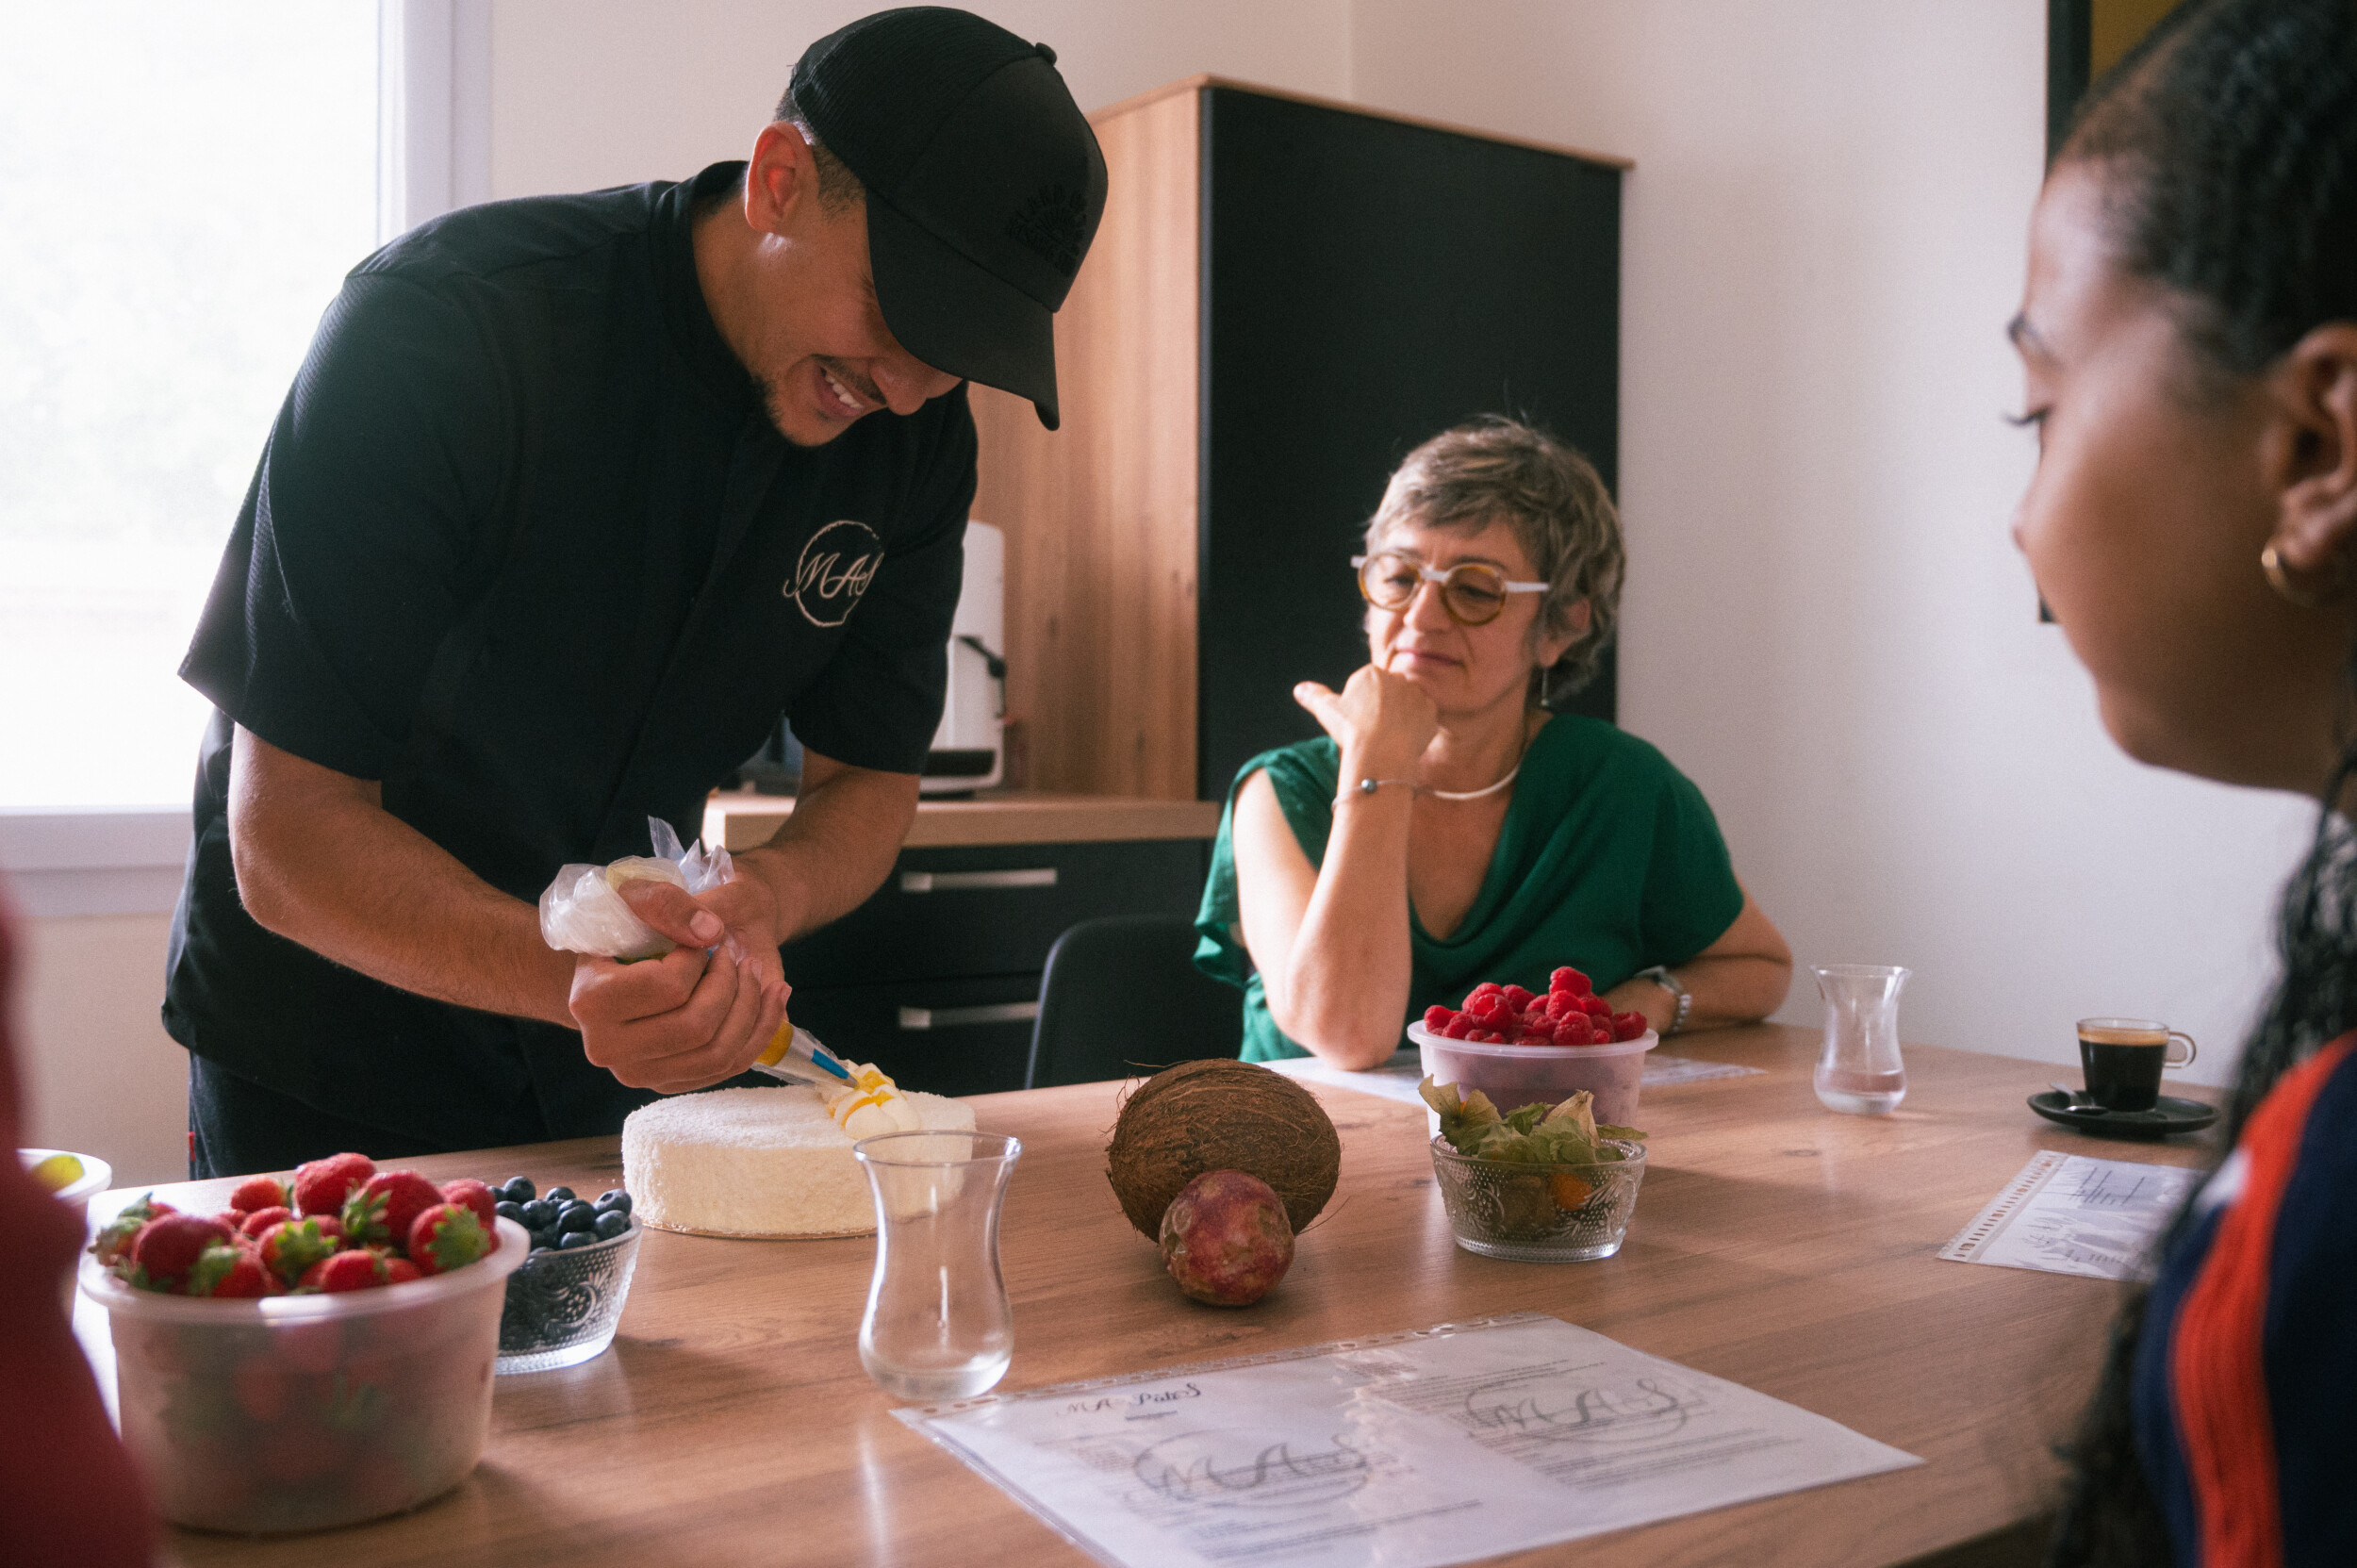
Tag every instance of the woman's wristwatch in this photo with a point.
(1660, 976)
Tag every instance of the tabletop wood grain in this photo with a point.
(1776, 1243)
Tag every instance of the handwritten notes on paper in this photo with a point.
(2066, 1213)
(1409, 1451)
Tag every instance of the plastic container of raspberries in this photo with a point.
(299, 1412)
(1514, 1075)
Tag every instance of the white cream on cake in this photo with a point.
(769, 1161)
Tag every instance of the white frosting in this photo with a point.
(761, 1162)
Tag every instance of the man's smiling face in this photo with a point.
(790, 288)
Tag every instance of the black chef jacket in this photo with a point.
(524, 546)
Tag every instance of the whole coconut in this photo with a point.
(1221, 1114)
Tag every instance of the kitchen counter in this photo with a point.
(1775, 1244)
(741, 821)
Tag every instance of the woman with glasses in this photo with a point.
(1449, 831)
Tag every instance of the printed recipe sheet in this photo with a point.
(2066, 1213)
(1407, 1451)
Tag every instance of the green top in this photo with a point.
(1609, 861)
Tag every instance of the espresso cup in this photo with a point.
(2122, 1059)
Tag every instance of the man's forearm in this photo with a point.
(320, 862)
(838, 845)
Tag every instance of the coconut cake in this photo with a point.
(757, 1162)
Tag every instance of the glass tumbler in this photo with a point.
(937, 1324)
(1859, 1070)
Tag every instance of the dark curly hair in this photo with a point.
(2227, 145)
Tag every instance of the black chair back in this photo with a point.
(1122, 995)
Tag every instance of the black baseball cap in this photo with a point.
(984, 185)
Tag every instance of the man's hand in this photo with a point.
(689, 1019)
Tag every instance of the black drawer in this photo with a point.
(971, 1036)
(993, 910)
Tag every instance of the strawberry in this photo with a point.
(114, 1239)
(1435, 1018)
(1568, 982)
(475, 1195)
(1518, 999)
(1629, 1026)
(400, 1271)
(1596, 1007)
(258, 1191)
(168, 1247)
(291, 1247)
(234, 1219)
(449, 1237)
(321, 1186)
(387, 1205)
(231, 1272)
(260, 1388)
(262, 1219)
(358, 1270)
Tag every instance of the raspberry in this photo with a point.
(1518, 999)
(1569, 980)
(1487, 988)
(1436, 1018)
(1629, 1026)
(1574, 1031)
(1596, 1007)
(1562, 1004)
(1460, 1027)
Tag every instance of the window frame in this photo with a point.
(433, 155)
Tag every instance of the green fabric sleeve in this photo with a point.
(1691, 896)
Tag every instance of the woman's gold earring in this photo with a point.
(2307, 596)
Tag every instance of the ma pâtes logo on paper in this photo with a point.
(833, 571)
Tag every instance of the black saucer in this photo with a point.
(2168, 1116)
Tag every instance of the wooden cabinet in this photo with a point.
(1285, 295)
(936, 978)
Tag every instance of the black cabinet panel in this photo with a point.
(993, 910)
(1366, 284)
(971, 1036)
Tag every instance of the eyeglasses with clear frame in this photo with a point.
(1472, 592)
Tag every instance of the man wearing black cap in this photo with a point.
(571, 497)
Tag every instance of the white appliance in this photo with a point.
(969, 750)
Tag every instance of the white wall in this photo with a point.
(1827, 625)
(594, 92)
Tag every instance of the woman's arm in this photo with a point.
(1739, 979)
(1331, 941)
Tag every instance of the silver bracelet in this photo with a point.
(1368, 787)
(1660, 975)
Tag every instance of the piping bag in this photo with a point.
(796, 1056)
(582, 911)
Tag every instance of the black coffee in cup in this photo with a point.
(2122, 1059)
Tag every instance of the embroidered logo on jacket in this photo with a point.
(833, 571)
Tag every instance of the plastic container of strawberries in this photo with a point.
(299, 1412)
(1514, 1075)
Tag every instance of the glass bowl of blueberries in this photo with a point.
(566, 1301)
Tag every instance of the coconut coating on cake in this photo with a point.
(756, 1162)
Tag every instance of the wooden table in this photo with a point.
(1775, 1244)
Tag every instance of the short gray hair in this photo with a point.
(1493, 469)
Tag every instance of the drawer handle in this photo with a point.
(951, 1018)
(961, 881)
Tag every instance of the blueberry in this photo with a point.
(614, 1197)
(509, 1209)
(544, 1238)
(539, 1215)
(577, 1238)
(518, 1189)
(577, 1216)
(612, 1224)
(559, 1194)
(540, 1248)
